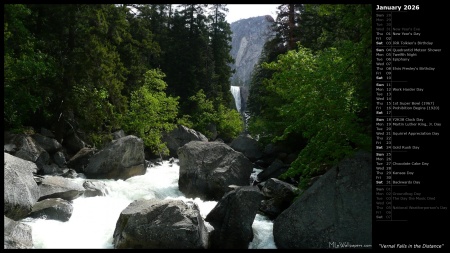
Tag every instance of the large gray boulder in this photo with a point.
(336, 208)
(94, 188)
(52, 209)
(21, 192)
(247, 146)
(48, 144)
(160, 224)
(279, 196)
(180, 136)
(232, 218)
(208, 168)
(120, 159)
(27, 148)
(60, 187)
(273, 171)
(51, 169)
(17, 235)
(81, 159)
(60, 159)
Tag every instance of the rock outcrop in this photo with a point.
(336, 208)
(27, 148)
(232, 218)
(248, 146)
(59, 187)
(180, 136)
(208, 168)
(17, 235)
(247, 41)
(279, 196)
(52, 209)
(20, 190)
(121, 159)
(160, 224)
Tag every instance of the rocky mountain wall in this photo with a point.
(248, 39)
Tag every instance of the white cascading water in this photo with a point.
(94, 219)
(236, 91)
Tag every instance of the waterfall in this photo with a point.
(236, 91)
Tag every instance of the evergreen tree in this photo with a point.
(188, 63)
(140, 50)
(26, 67)
(82, 42)
(322, 93)
(78, 66)
(220, 34)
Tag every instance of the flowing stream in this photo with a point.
(94, 219)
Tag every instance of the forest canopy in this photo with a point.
(98, 68)
(313, 85)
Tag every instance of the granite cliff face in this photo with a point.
(248, 38)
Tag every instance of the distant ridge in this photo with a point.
(248, 38)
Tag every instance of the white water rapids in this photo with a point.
(94, 219)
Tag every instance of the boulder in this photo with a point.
(336, 208)
(232, 218)
(48, 144)
(17, 235)
(273, 171)
(160, 224)
(70, 173)
(208, 168)
(51, 169)
(120, 159)
(81, 159)
(20, 190)
(60, 159)
(180, 136)
(247, 146)
(59, 187)
(28, 149)
(94, 188)
(279, 196)
(52, 209)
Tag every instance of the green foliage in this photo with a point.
(220, 34)
(62, 64)
(98, 140)
(139, 50)
(151, 112)
(196, 54)
(203, 113)
(319, 90)
(185, 120)
(228, 122)
(25, 67)
(82, 65)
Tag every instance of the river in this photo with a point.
(94, 219)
